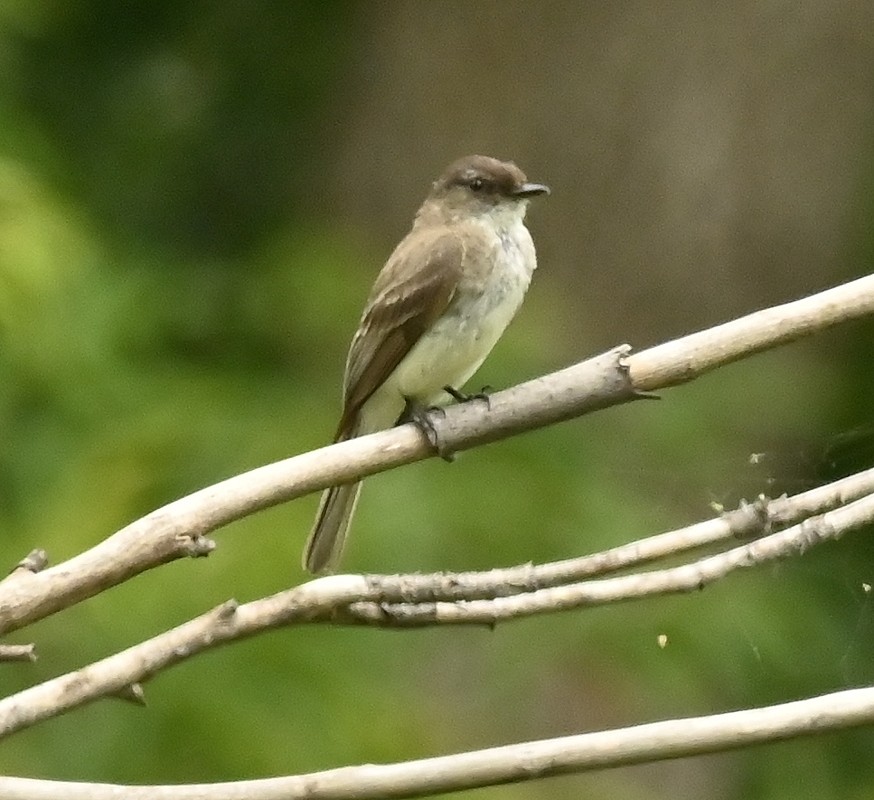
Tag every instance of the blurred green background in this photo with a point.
(194, 201)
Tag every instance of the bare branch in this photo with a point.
(17, 652)
(686, 578)
(683, 359)
(179, 529)
(746, 522)
(403, 601)
(655, 741)
(112, 676)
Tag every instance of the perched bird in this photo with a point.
(439, 305)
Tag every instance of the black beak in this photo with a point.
(530, 190)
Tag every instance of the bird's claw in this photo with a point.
(463, 397)
(421, 417)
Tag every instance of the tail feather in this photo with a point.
(328, 535)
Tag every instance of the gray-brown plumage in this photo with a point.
(441, 302)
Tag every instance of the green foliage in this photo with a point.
(171, 314)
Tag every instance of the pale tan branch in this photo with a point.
(748, 521)
(116, 674)
(179, 529)
(405, 601)
(654, 741)
(683, 359)
(685, 578)
(17, 652)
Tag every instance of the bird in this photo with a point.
(436, 310)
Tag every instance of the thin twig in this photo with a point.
(17, 652)
(748, 521)
(685, 578)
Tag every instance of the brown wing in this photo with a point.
(414, 288)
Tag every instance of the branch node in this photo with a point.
(194, 545)
(813, 531)
(750, 520)
(623, 362)
(227, 609)
(35, 561)
(623, 354)
(132, 693)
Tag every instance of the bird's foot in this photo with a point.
(422, 417)
(463, 397)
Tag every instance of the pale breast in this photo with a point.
(484, 304)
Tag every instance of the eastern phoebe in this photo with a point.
(442, 300)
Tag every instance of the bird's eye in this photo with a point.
(476, 184)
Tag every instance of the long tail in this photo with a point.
(326, 540)
(328, 535)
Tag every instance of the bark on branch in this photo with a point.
(180, 528)
(422, 600)
(513, 763)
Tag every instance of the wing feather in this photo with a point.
(413, 290)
